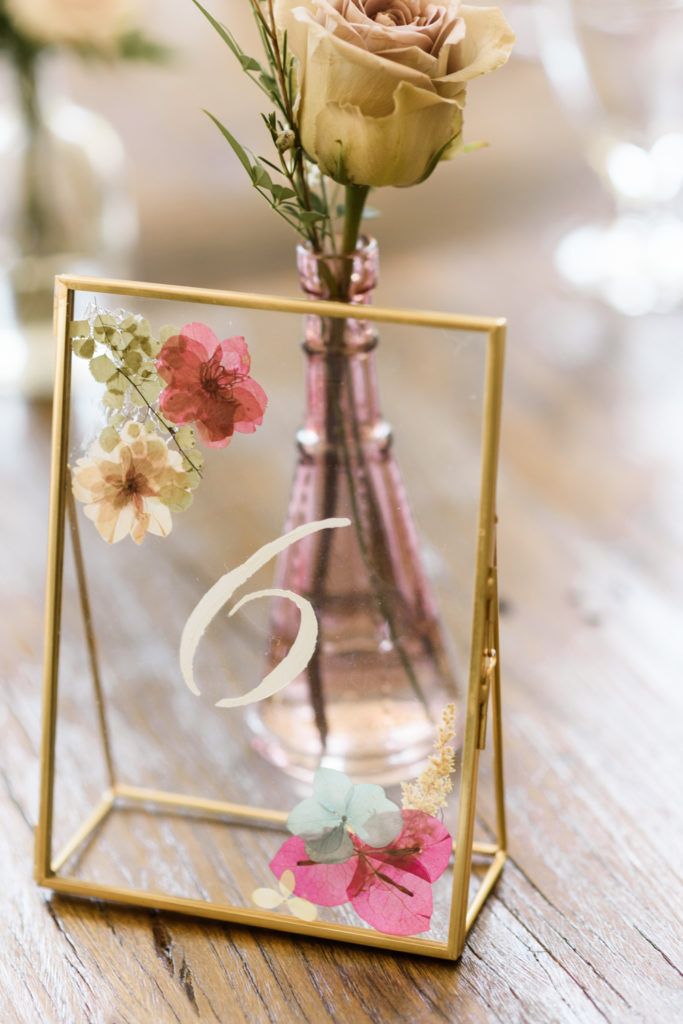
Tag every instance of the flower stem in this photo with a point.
(334, 438)
(160, 420)
(356, 197)
(340, 446)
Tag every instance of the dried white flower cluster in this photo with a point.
(429, 792)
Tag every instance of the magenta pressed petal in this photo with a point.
(391, 900)
(211, 440)
(203, 335)
(421, 831)
(250, 406)
(323, 884)
(235, 355)
(180, 362)
(210, 436)
(217, 414)
(179, 406)
(253, 388)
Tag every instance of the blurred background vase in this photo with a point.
(617, 66)
(380, 676)
(64, 208)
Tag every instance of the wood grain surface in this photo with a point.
(586, 923)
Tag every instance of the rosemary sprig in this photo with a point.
(289, 193)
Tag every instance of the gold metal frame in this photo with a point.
(484, 689)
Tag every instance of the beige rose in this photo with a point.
(383, 82)
(92, 22)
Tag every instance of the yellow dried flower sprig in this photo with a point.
(430, 791)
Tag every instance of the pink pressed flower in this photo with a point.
(389, 888)
(208, 385)
(323, 884)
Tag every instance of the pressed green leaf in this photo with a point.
(197, 458)
(117, 384)
(112, 399)
(109, 439)
(79, 329)
(102, 368)
(83, 347)
(151, 347)
(166, 332)
(150, 390)
(192, 479)
(185, 437)
(104, 322)
(132, 360)
(175, 497)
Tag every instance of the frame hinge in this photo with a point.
(489, 657)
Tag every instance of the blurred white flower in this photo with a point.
(97, 23)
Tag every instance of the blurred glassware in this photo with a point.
(617, 66)
(64, 208)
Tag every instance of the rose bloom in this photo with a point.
(94, 22)
(383, 82)
(120, 489)
(208, 385)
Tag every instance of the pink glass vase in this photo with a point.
(368, 701)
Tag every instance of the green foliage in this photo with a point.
(284, 181)
(109, 438)
(121, 352)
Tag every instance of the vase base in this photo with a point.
(383, 741)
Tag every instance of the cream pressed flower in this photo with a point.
(430, 791)
(124, 490)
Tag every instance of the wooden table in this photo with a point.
(585, 925)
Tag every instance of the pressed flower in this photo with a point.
(430, 791)
(270, 899)
(208, 384)
(389, 888)
(338, 809)
(125, 489)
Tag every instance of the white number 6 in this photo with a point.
(301, 651)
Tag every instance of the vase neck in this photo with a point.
(341, 278)
(347, 279)
(341, 384)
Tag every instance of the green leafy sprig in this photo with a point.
(288, 182)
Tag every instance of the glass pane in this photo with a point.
(287, 437)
